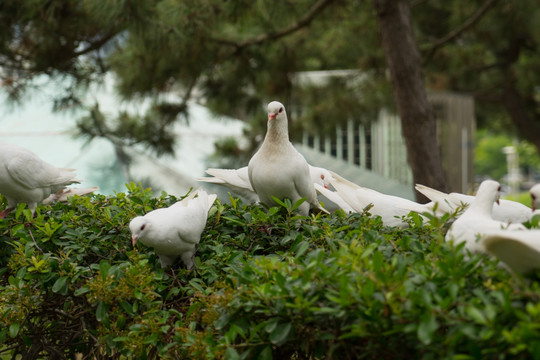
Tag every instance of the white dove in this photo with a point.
(278, 169)
(508, 211)
(390, 208)
(174, 231)
(519, 250)
(477, 219)
(26, 178)
(237, 180)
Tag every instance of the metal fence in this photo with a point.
(379, 146)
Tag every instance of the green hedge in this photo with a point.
(267, 285)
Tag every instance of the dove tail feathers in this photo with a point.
(430, 193)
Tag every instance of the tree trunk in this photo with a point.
(417, 121)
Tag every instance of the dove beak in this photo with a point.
(325, 186)
(272, 116)
(134, 239)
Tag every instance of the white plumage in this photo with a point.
(535, 197)
(507, 211)
(278, 169)
(518, 250)
(26, 178)
(390, 208)
(477, 219)
(237, 180)
(174, 231)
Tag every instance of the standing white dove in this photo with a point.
(174, 231)
(278, 169)
(477, 219)
(237, 180)
(26, 178)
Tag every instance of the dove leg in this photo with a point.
(187, 259)
(166, 261)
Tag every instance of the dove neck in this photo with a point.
(277, 131)
(483, 203)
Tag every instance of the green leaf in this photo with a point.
(104, 267)
(477, 315)
(426, 329)
(231, 354)
(60, 285)
(80, 291)
(271, 325)
(266, 353)
(280, 334)
(14, 329)
(298, 203)
(101, 312)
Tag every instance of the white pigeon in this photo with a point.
(174, 231)
(26, 178)
(390, 208)
(508, 211)
(237, 180)
(278, 169)
(518, 250)
(477, 219)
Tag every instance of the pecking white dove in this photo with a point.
(508, 211)
(237, 180)
(335, 198)
(477, 219)
(174, 231)
(26, 178)
(390, 208)
(519, 250)
(278, 169)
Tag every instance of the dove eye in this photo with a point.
(322, 176)
(143, 226)
(533, 196)
(499, 189)
(280, 109)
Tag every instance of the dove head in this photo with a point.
(276, 110)
(138, 226)
(320, 176)
(491, 189)
(535, 197)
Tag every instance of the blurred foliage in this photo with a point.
(490, 160)
(239, 55)
(267, 285)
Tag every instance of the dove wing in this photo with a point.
(31, 172)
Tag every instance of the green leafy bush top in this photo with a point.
(267, 284)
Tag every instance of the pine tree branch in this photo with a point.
(95, 45)
(470, 22)
(304, 21)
